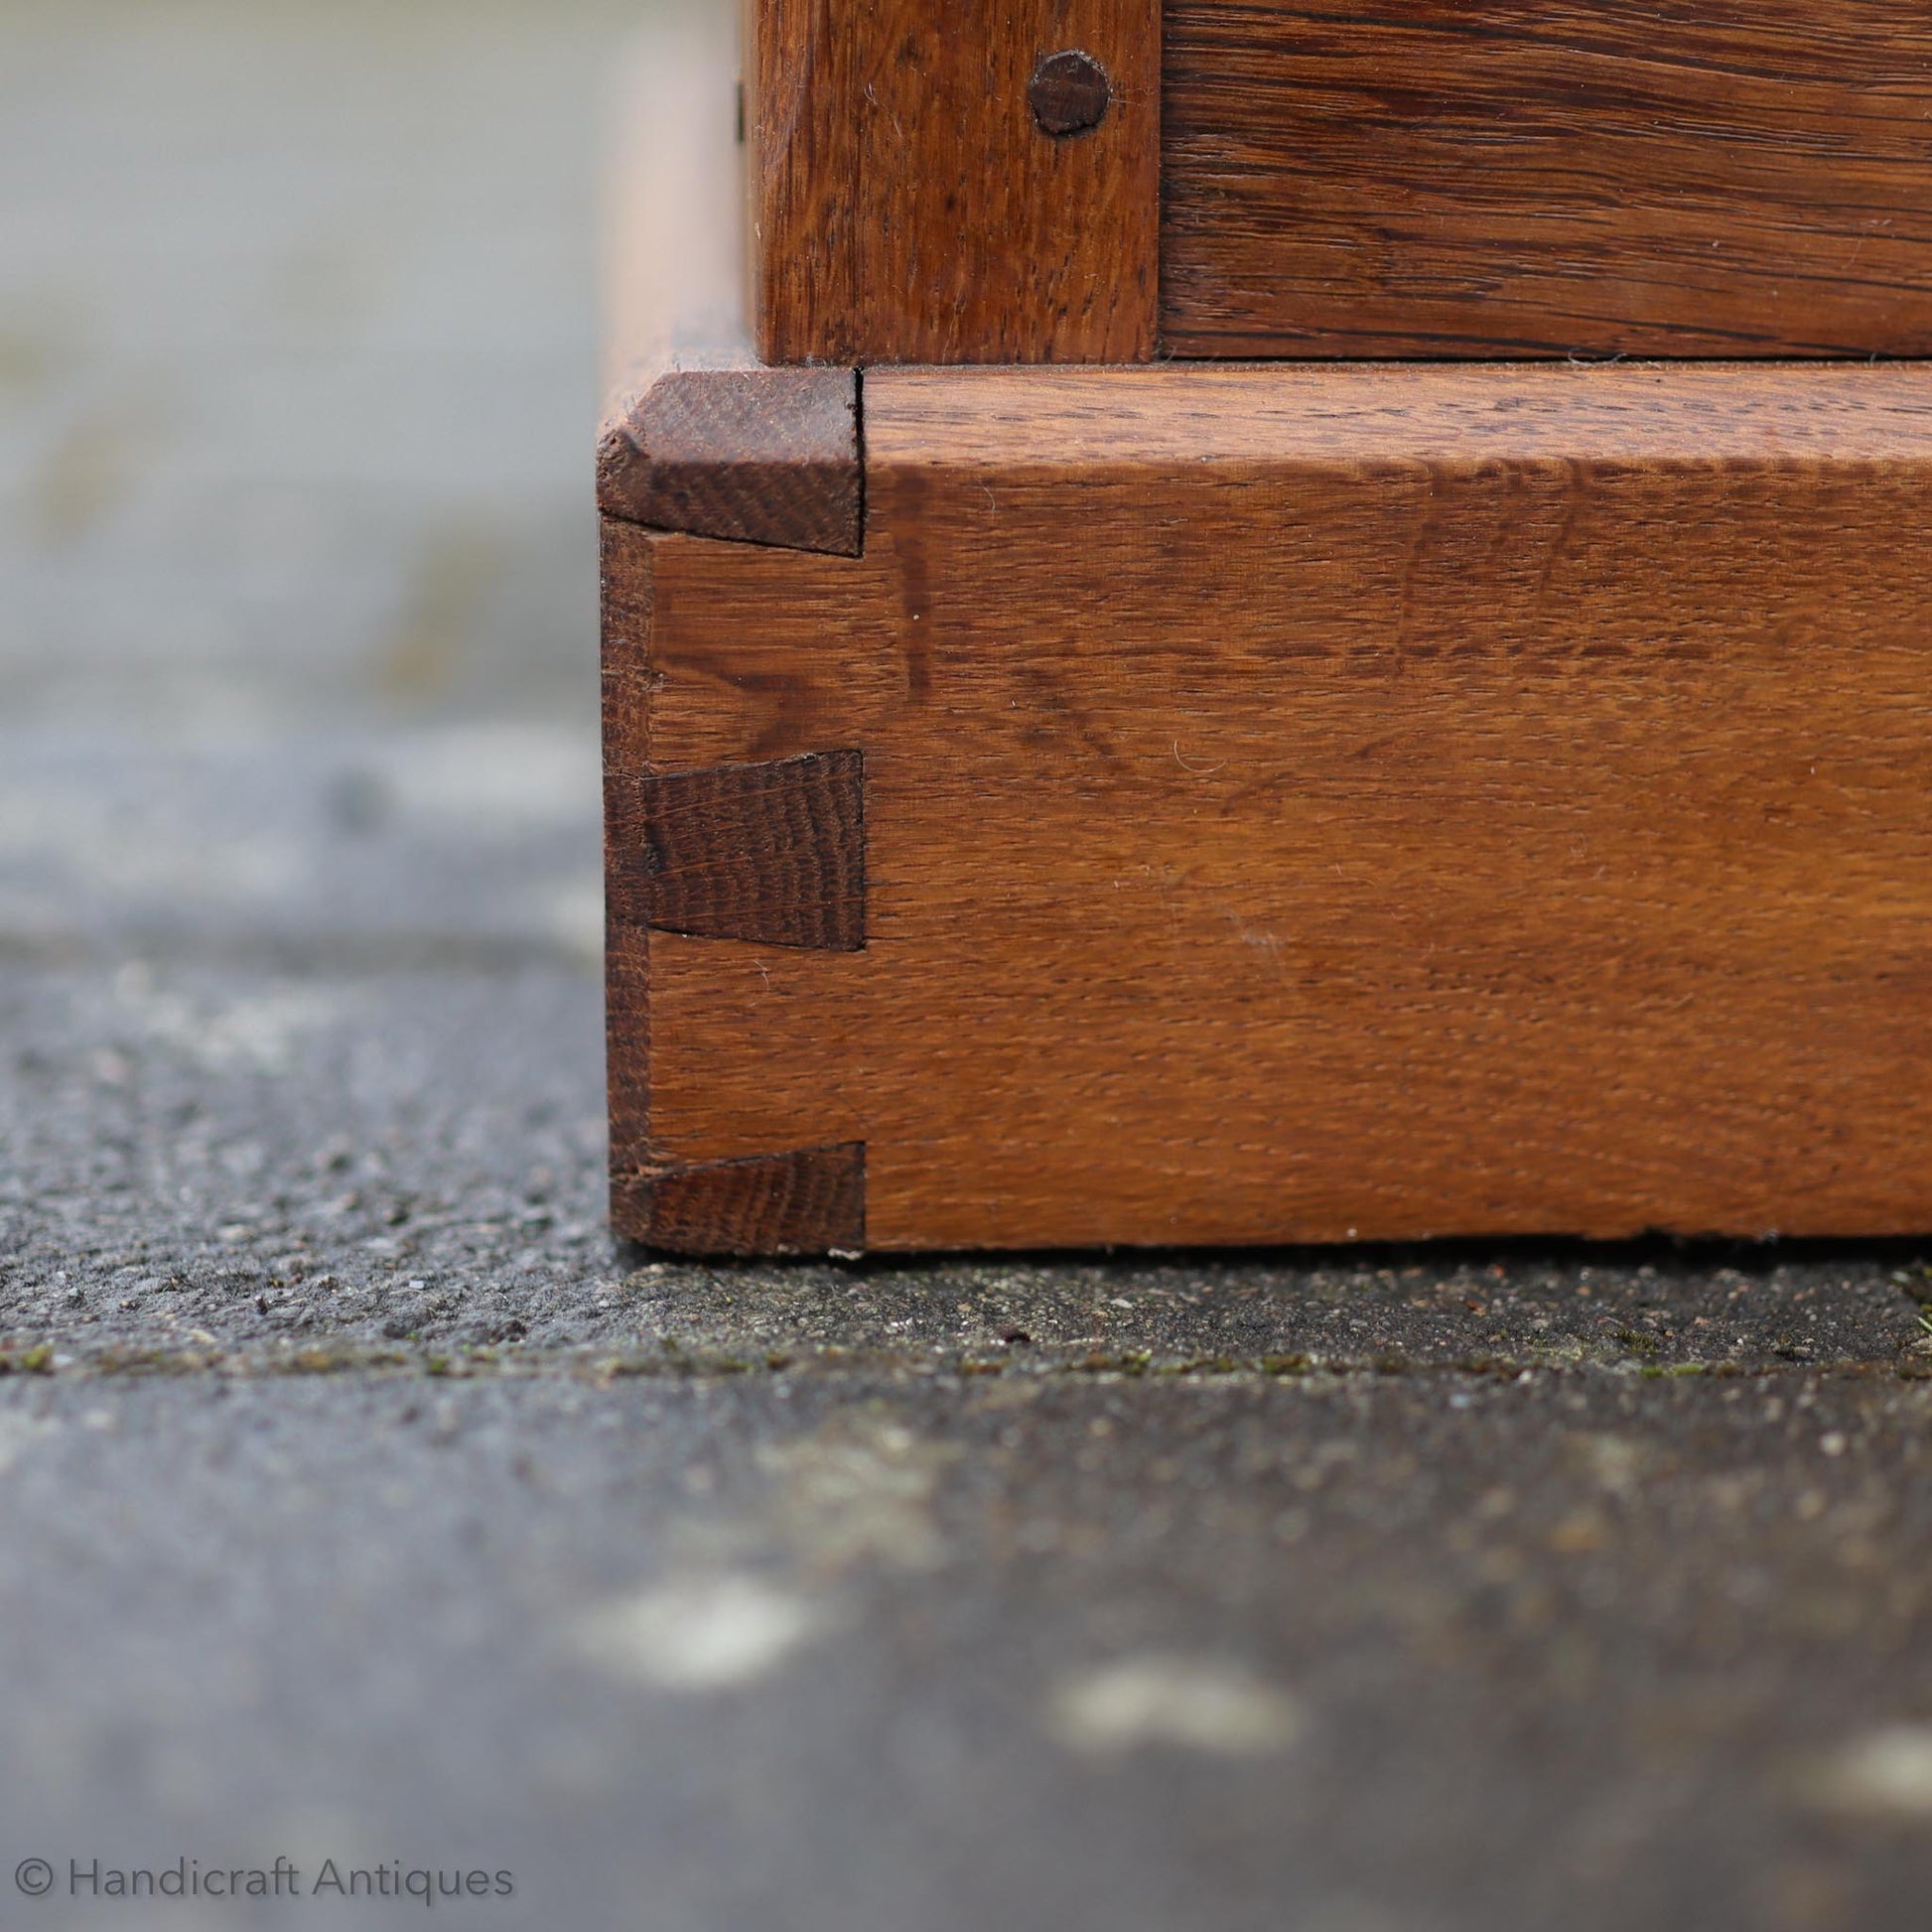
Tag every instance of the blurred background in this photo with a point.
(297, 562)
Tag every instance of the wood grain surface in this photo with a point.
(625, 602)
(1417, 178)
(1316, 803)
(772, 851)
(908, 206)
(802, 1202)
(696, 434)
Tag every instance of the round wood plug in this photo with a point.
(1069, 93)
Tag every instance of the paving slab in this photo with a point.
(875, 1652)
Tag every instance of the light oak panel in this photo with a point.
(1423, 178)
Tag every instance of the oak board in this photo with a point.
(1326, 803)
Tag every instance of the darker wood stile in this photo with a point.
(931, 186)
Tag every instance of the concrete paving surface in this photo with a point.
(362, 1507)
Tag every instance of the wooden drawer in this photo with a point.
(1207, 803)
(1406, 178)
